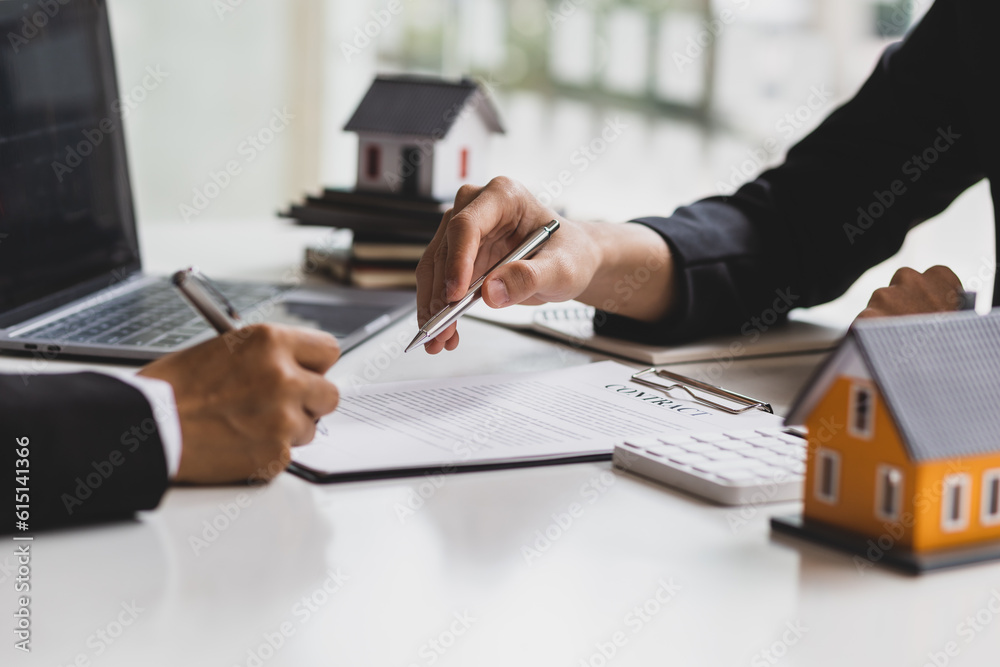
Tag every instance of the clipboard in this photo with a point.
(387, 436)
(690, 385)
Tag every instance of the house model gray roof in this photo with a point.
(939, 376)
(420, 106)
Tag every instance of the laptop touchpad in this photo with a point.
(341, 320)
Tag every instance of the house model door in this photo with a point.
(410, 168)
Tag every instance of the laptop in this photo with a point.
(71, 279)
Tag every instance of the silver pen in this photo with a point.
(449, 314)
(207, 300)
(213, 306)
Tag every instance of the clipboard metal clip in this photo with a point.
(690, 385)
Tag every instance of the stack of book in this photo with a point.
(369, 262)
(390, 235)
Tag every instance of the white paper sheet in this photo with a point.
(584, 410)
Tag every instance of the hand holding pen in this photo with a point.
(213, 306)
(586, 261)
(243, 403)
(448, 315)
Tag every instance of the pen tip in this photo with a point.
(417, 340)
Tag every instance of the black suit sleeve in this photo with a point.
(843, 200)
(94, 449)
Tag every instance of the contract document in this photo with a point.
(567, 415)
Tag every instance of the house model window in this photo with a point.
(955, 502)
(827, 476)
(888, 492)
(861, 420)
(990, 513)
(373, 162)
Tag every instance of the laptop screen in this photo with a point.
(66, 220)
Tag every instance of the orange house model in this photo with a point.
(904, 442)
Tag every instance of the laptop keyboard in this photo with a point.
(153, 316)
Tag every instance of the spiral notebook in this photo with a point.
(573, 323)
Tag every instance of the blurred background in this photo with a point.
(707, 93)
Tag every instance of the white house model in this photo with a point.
(422, 136)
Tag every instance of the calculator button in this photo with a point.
(785, 462)
(711, 437)
(720, 455)
(700, 447)
(784, 449)
(674, 439)
(766, 443)
(740, 435)
(688, 458)
(737, 446)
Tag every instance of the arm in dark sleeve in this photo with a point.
(843, 200)
(93, 443)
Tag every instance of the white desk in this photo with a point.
(462, 553)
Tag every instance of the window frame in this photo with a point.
(833, 456)
(858, 388)
(987, 518)
(962, 481)
(882, 472)
(463, 163)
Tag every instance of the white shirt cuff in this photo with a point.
(160, 396)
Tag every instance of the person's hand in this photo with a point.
(580, 261)
(484, 225)
(244, 399)
(911, 292)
